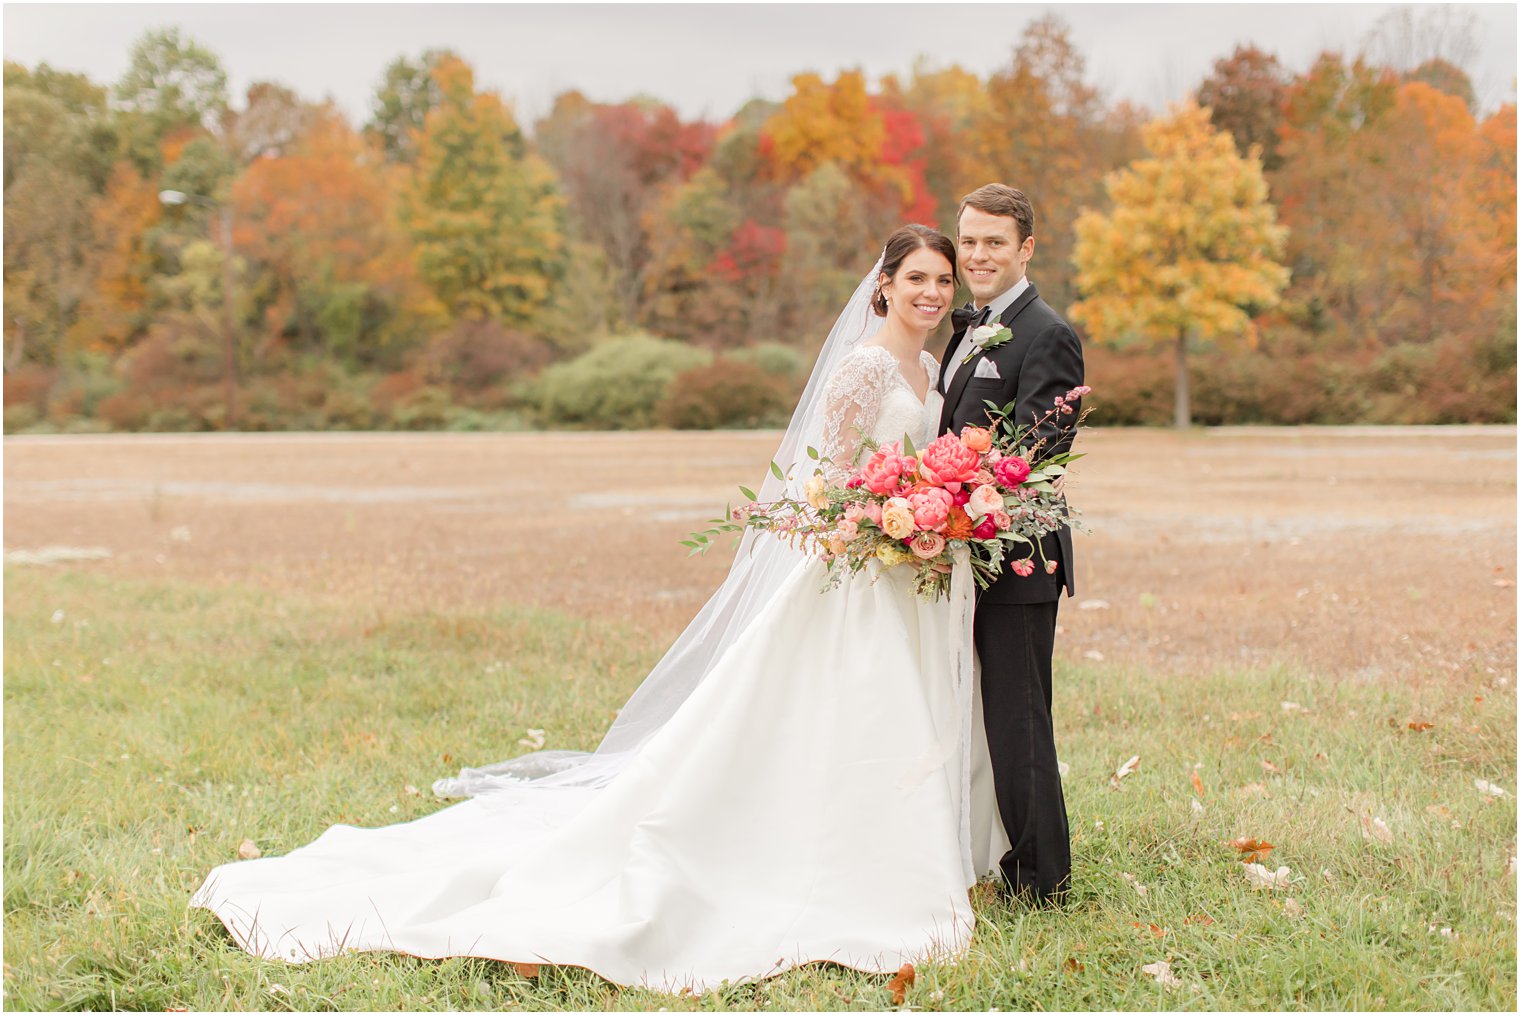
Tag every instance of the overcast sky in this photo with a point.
(707, 60)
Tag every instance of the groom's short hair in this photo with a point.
(1001, 199)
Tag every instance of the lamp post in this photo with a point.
(229, 344)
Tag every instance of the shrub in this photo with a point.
(617, 384)
(474, 355)
(723, 395)
(775, 359)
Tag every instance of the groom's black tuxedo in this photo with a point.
(1016, 616)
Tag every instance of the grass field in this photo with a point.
(288, 634)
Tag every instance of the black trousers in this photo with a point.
(1015, 643)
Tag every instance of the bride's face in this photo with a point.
(919, 294)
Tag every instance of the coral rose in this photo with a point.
(854, 513)
(931, 508)
(946, 460)
(1011, 471)
(897, 518)
(958, 526)
(1023, 568)
(928, 545)
(985, 529)
(848, 530)
(977, 438)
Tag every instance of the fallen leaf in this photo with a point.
(1123, 771)
(1439, 810)
(248, 851)
(1093, 604)
(1063, 768)
(1292, 706)
(1484, 786)
(1421, 727)
(1140, 889)
(1149, 926)
(533, 741)
(1293, 910)
(1197, 807)
(1093, 654)
(1253, 789)
(900, 983)
(527, 970)
(1259, 877)
(411, 790)
(1201, 919)
(1162, 973)
(1252, 850)
(1268, 767)
(1197, 783)
(1073, 966)
(1375, 828)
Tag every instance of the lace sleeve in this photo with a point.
(851, 403)
(931, 367)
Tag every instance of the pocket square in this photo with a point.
(987, 368)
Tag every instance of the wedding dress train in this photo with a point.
(808, 802)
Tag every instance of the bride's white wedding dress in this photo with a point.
(805, 803)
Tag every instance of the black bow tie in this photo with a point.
(967, 317)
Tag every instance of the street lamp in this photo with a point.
(173, 198)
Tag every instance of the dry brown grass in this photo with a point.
(1334, 551)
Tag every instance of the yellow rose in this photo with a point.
(816, 493)
(897, 518)
(891, 554)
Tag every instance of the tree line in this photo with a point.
(1330, 245)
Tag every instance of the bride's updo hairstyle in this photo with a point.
(899, 245)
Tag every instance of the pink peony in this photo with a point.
(931, 508)
(1002, 519)
(1022, 568)
(848, 530)
(1011, 471)
(985, 529)
(984, 500)
(873, 512)
(946, 460)
(885, 470)
(928, 545)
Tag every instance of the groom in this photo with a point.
(1016, 616)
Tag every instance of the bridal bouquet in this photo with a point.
(988, 488)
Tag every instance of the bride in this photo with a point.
(803, 777)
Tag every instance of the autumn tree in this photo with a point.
(1188, 249)
(483, 212)
(114, 310)
(1246, 92)
(612, 161)
(319, 222)
(1041, 129)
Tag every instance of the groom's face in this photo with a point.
(991, 255)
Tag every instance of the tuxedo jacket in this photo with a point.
(1041, 361)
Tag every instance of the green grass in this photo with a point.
(150, 728)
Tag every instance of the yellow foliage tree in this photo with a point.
(1190, 248)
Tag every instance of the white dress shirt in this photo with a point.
(1000, 303)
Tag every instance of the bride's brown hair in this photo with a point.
(902, 243)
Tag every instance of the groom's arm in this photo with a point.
(1052, 367)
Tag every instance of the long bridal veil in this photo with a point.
(760, 566)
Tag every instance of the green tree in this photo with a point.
(1189, 248)
(406, 95)
(172, 85)
(483, 212)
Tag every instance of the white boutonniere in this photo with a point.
(986, 338)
